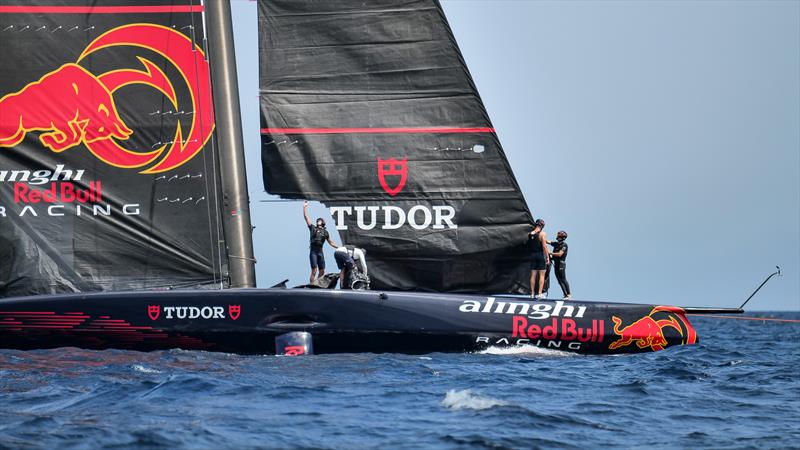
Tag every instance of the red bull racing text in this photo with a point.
(55, 193)
(560, 334)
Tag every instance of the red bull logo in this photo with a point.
(71, 106)
(648, 332)
(73, 122)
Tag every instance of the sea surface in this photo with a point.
(739, 388)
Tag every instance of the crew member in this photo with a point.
(540, 257)
(559, 255)
(346, 260)
(546, 287)
(318, 236)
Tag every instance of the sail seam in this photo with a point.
(152, 9)
(376, 130)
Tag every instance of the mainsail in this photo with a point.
(369, 107)
(108, 174)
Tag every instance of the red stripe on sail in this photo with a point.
(100, 9)
(376, 130)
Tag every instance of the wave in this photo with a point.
(143, 369)
(467, 399)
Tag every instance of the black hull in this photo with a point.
(248, 320)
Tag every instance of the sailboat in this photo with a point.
(124, 216)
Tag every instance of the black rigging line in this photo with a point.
(778, 273)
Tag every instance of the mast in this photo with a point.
(236, 202)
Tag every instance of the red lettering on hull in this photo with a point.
(564, 329)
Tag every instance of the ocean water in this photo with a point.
(740, 388)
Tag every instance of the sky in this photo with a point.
(664, 137)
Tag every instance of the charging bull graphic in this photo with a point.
(72, 123)
(71, 106)
(649, 331)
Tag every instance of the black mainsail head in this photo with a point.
(369, 107)
(108, 173)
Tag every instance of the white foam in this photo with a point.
(530, 350)
(144, 369)
(466, 399)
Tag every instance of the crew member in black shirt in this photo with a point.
(318, 236)
(559, 255)
(540, 257)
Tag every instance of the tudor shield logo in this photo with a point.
(193, 312)
(392, 174)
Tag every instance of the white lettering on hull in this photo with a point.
(521, 342)
(194, 312)
(532, 310)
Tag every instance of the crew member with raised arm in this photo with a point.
(540, 257)
(559, 255)
(318, 236)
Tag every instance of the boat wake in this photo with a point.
(527, 350)
(467, 399)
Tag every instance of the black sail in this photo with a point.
(107, 166)
(370, 108)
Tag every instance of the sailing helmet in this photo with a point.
(539, 223)
(320, 219)
(561, 234)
